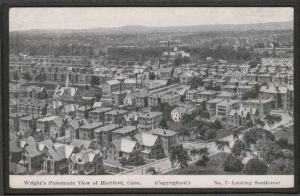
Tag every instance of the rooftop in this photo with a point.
(163, 132)
(91, 125)
(125, 129)
(106, 128)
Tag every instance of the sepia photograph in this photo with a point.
(151, 97)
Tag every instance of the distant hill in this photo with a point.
(171, 29)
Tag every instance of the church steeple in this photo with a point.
(68, 83)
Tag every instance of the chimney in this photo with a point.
(165, 133)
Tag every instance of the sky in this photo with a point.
(84, 18)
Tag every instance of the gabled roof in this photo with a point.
(163, 132)
(58, 151)
(84, 157)
(146, 139)
(81, 143)
(124, 144)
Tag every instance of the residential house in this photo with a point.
(114, 116)
(98, 114)
(211, 106)
(178, 112)
(169, 139)
(56, 157)
(86, 162)
(262, 106)
(224, 107)
(86, 132)
(103, 135)
(126, 131)
(151, 145)
(149, 120)
(123, 149)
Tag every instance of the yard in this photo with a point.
(214, 167)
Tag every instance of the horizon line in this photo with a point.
(138, 25)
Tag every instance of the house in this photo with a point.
(58, 128)
(264, 78)
(186, 77)
(171, 99)
(130, 98)
(80, 145)
(14, 121)
(126, 131)
(207, 95)
(123, 149)
(98, 114)
(151, 145)
(43, 128)
(226, 95)
(83, 111)
(141, 99)
(229, 88)
(67, 93)
(191, 95)
(169, 139)
(224, 107)
(149, 120)
(111, 86)
(56, 157)
(131, 118)
(103, 135)
(242, 116)
(153, 99)
(165, 73)
(211, 106)
(32, 157)
(243, 89)
(27, 124)
(118, 97)
(86, 162)
(262, 106)
(114, 116)
(178, 112)
(86, 132)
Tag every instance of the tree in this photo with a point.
(42, 95)
(255, 166)
(281, 167)
(232, 164)
(180, 156)
(235, 134)
(186, 118)
(202, 162)
(283, 143)
(152, 171)
(40, 77)
(27, 76)
(210, 134)
(217, 124)
(182, 97)
(151, 76)
(163, 124)
(252, 136)
(240, 148)
(95, 81)
(268, 150)
(272, 119)
(221, 145)
(123, 162)
(196, 82)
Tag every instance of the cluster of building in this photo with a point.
(72, 131)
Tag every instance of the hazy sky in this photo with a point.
(81, 18)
